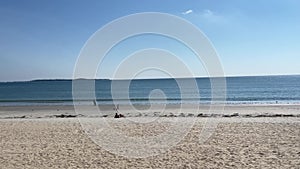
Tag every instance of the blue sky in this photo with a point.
(42, 39)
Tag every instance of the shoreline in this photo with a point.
(109, 103)
(186, 110)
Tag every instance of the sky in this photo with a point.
(42, 39)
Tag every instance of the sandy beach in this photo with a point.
(39, 137)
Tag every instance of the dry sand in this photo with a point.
(237, 142)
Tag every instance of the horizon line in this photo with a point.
(154, 78)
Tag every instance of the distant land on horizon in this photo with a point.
(158, 78)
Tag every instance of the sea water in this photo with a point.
(239, 90)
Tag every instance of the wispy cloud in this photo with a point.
(212, 16)
(207, 13)
(187, 12)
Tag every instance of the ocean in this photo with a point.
(239, 90)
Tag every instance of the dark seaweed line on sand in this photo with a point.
(165, 115)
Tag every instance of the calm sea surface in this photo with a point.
(240, 90)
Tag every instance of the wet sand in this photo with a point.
(247, 110)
